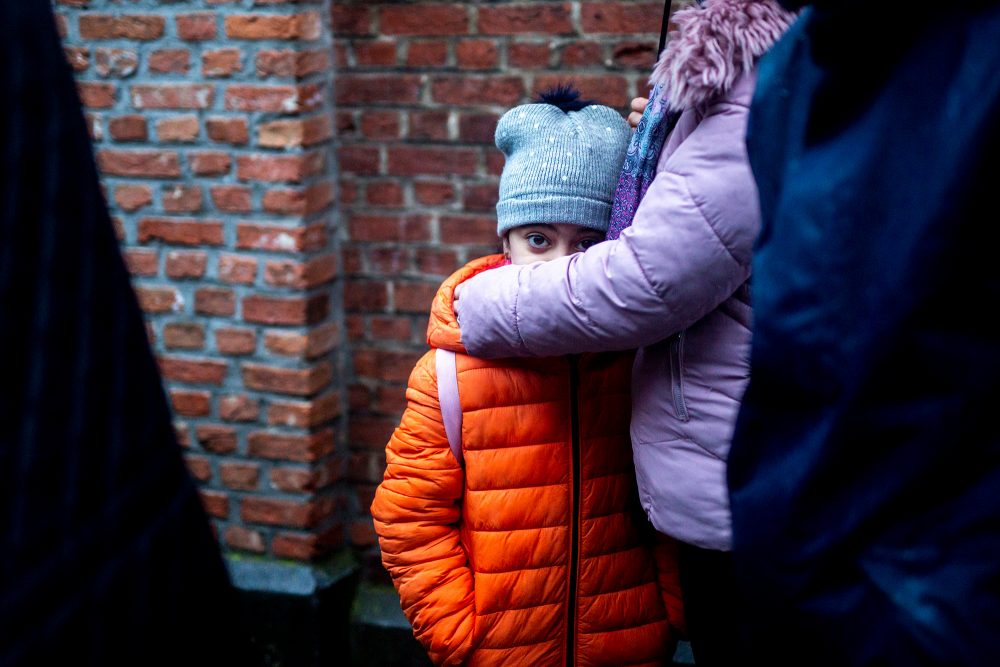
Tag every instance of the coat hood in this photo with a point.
(443, 330)
(714, 45)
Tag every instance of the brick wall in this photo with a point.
(285, 249)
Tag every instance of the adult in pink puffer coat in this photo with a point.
(674, 285)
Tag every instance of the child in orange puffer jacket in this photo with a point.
(508, 516)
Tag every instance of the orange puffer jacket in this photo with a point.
(537, 552)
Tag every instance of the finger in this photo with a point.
(639, 104)
(634, 118)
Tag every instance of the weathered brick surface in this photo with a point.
(213, 128)
(290, 181)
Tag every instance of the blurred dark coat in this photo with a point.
(865, 471)
(106, 557)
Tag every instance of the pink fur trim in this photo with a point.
(715, 45)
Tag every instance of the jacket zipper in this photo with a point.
(575, 482)
(677, 376)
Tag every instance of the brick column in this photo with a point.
(212, 124)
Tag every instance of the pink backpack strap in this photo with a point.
(451, 408)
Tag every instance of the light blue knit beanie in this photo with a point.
(561, 166)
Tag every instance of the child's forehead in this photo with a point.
(557, 227)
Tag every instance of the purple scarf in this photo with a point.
(639, 168)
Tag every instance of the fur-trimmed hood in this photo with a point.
(714, 45)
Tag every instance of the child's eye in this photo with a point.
(537, 241)
(586, 244)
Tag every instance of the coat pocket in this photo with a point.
(677, 376)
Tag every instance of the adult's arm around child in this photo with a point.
(687, 251)
(417, 511)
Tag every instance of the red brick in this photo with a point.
(295, 133)
(97, 95)
(196, 27)
(181, 432)
(169, 61)
(436, 261)
(478, 128)
(238, 408)
(618, 17)
(301, 275)
(309, 62)
(480, 197)
(366, 295)
(215, 503)
(634, 54)
(391, 400)
(231, 198)
(606, 89)
(240, 476)
(465, 90)
(375, 54)
(191, 403)
(359, 160)
(216, 439)
(274, 511)
(221, 62)
(216, 301)
(392, 328)
(376, 124)
(281, 446)
(367, 466)
(182, 264)
(390, 260)
(362, 533)
(353, 20)
(251, 236)
(233, 131)
(544, 18)
(210, 164)
(159, 299)
(370, 432)
(278, 168)
(133, 197)
(194, 371)
(432, 125)
(235, 342)
(304, 26)
(308, 546)
(379, 88)
(389, 228)
(431, 53)
(292, 381)
(237, 269)
(244, 539)
(305, 201)
(177, 128)
(388, 194)
(172, 96)
(118, 63)
(583, 54)
(295, 480)
(424, 19)
(184, 335)
(304, 414)
(477, 54)
(181, 199)
(434, 193)
(199, 467)
(180, 231)
(154, 164)
(95, 126)
(429, 160)
(78, 57)
(281, 63)
(385, 365)
(529, 55)
(114, 26)
(142, 262)
(262, 309)
(468, 229)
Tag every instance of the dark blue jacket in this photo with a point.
(865, 469)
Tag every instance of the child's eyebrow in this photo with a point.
(544, 225)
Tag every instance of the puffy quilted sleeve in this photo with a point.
(665, 553)
(417, 511)
(688, 250)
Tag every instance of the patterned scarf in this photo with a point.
(640, 162)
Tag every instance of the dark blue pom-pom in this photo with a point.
(565, 97)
